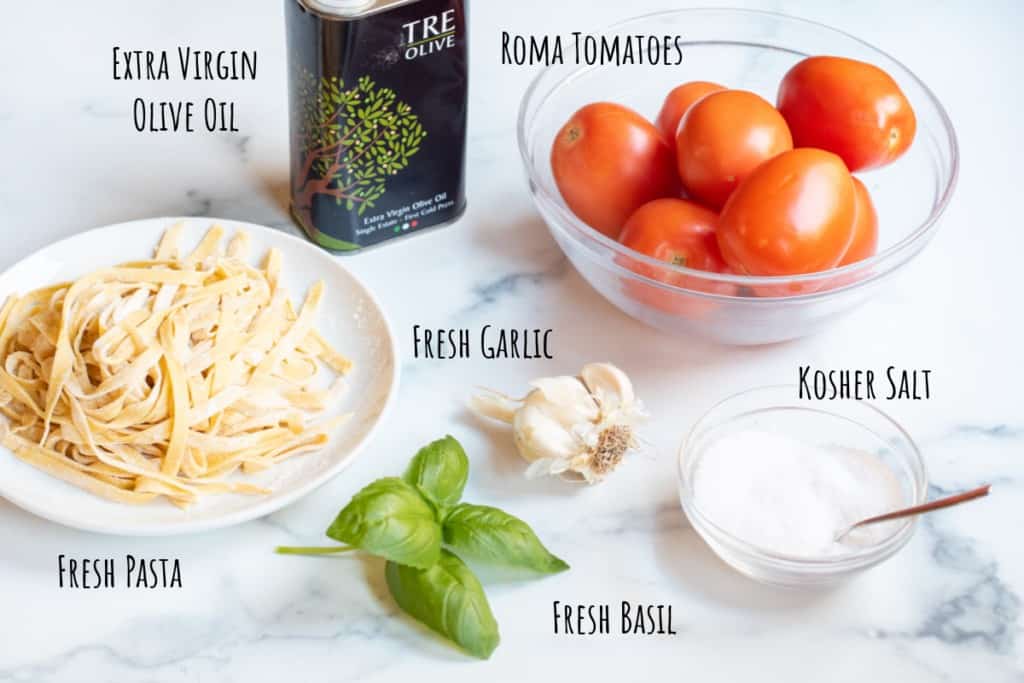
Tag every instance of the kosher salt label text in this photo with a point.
(892, 384)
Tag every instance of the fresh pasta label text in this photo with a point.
(93, 573)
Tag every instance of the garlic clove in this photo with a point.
(565, 399)
(539, 436)
(574, 427)
(547, 467)
(610, 386)
(540, 468)
(495, 406)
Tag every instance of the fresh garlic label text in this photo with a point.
(490, 342)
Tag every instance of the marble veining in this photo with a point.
(488, 294)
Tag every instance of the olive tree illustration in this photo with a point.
(352, 140)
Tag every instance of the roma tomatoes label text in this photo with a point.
(591, 50)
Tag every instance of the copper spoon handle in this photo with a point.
(950, 501)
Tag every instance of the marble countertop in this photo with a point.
(947, 608)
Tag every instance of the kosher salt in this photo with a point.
(789, 497)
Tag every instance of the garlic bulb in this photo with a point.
(582, 425)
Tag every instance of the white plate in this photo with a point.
(350, 318)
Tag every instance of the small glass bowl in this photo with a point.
(851, 424)
(749, 50)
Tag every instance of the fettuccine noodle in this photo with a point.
(160, 378)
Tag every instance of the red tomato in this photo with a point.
(679, 102)
(865, 226)
(682, 233)
(793, 215)
(853, 109)
(608, 161)
(724, 137)
(675, 231)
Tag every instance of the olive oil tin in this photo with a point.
(378, 98)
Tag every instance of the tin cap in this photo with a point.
(339, 6)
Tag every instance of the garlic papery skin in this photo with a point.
(580, 426)
(609, 386)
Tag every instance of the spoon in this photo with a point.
(949, 501)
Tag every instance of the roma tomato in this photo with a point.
(724, 137)
(608, 161)
(682, 233)
(793, 215)
(675, 231)
(851, 108)
(865, 226)
(679, 102)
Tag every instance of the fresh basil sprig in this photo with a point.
(406, 521)
(439, 471)
(490, 535)
(449, 599)
(390, 519)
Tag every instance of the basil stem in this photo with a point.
(313, 550)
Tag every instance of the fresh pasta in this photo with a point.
(161, 378)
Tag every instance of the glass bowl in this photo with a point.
(847, 424)
(748, 50)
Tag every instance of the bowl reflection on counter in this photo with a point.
(750, 50)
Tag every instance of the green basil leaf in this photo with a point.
(389, 518)
(491, 535)
(440, 471)
(449, 599)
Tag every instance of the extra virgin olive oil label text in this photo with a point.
(93, 573)
(489, 342)
(890, 384)
(591, 50)
(625, 618)
(185, 63)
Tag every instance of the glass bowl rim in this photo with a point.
(580, 231)
(862, 557)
